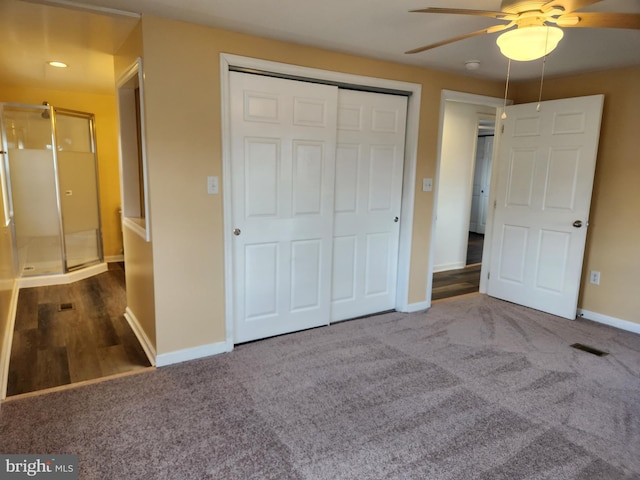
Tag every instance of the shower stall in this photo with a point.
(51, 180)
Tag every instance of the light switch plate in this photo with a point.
(212, 185)
(427, 184)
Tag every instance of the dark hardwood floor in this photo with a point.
(462, 281)
(71, 333)
(474, 248)
(455, 282)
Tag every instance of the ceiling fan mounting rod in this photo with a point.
(537, 17)
(531, 21)
(538, 14)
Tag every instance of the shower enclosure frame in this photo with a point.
(9, 205)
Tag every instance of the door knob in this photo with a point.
(577, 223)
(396, 219)
(237, 231)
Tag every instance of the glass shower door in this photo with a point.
(34, 200)
(78, 183)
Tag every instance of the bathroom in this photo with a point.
(52, 192)
(62, 206)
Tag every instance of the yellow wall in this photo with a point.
(182, 88)
(104, 108)
(129, 52)
(139, 280)
(614, 226)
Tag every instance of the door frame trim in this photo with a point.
(227, 61)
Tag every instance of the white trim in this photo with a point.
(226, 202)
(5, 353)
(493, 182)
(135, 70)
(408, 188)
(114, 258)
(611, 321)
(89, 8)
(472, 98)
(136, 228)
(141, 335)
(63, 278)
(408, 197)
(445, 267)
(193, 353)
(453, 96)
(417, 307)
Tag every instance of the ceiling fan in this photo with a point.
(536, 23)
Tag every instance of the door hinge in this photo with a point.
(502, 131)
(488, 275)
(495, 204)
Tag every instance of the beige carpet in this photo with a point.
(475, 388)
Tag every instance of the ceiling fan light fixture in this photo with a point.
(528, 43)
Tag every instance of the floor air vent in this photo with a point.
(63, 307)
(593, 351)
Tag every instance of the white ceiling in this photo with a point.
(34, 33)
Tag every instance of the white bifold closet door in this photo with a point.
(288, 204)
(283, 138)
(368, 196)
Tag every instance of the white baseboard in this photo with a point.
(146, 344)
(445, 267)
(417, 307)
(611, 321)
(194, 353)
(5, 352)
(114, 258)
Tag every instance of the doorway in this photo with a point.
(69, 323)
(462, 192)
(70, 333)
(52, 179)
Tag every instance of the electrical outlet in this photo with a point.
(594, 277)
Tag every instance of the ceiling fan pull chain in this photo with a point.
(506, 90)
(544, 61)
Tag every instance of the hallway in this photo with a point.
(72, 333)
(466, 280)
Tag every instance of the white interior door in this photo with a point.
(474, 218)
(283, 136)
(545, 177)
(484, 181)
(368, 196)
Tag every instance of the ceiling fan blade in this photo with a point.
(568, 5)
(604, 20)
(464, 11)
(493, 29)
